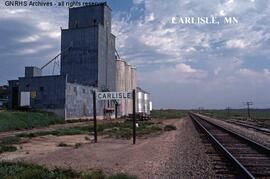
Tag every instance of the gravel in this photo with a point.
(188, 158)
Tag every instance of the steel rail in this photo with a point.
(257, 128)
(243, 170)
(257, 145)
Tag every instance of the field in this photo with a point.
(168, 113)
(27, 120)
(256, 114)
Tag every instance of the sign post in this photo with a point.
(134, 115)
(116, 110)
(115, 96)
(95, 116)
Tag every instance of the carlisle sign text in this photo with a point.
(113, 95)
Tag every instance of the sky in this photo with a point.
(181, 65)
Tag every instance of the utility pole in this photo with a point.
(228, 112)
(248, 104)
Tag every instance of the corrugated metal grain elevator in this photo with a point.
(88, 62)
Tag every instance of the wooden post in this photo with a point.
(95, 116)
(134, 115)
(116, 110)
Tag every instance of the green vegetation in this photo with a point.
(59, 132)
(168, 113)
(10, 140)
(256, 114)
(27, 120)
(122, 176)
(62, 144)
(124, 130)
(7, 148)
(77, 145)
(169, 128)
(20, 170)
(6, 144)
(116, 130)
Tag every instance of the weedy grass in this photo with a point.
(169, 128)
(62, 144)
(6, 144)
(16, 120)
(7, 148)
(77, 145)
(10, 140)
(31, 171)
(122, 176)
(168, 113)
(116, 130)
(256, 114)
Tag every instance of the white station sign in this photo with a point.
(113, 95)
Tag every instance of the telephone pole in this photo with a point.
(228, 112)
(248, 104)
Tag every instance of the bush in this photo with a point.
(122, 176)
(169, 128)
(62, 144)
(10, 140)
(7, 148)
(77, 145)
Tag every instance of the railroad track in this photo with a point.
(251, 126)
(249, 158)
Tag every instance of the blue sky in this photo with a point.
(183, 66)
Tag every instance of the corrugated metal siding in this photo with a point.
(81, 61)
(85, 16)
(120, 83)
(79, 101)
(49, 90)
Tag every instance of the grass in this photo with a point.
(62, 144)
(6, 144)
(256, 114)
(59, 132)
(169, 128)
(77, 145)
(124, 130)
(122, 176)
(7, 148)
(116, 130)
(27, 120)
(168, 113)
(21, 170)
(10, 140)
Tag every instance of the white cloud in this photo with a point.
(138, 1)
(180, 73)
(32, 38)
(34, 50)
(259, 75)
(183, 68)
(44, 26)
(236, 43)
